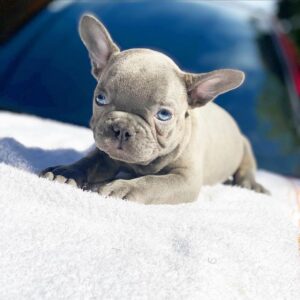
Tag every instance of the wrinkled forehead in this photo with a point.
(143, 77)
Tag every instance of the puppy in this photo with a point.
(158, 124)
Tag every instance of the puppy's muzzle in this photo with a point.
(120, 129)
(121, 133)
(125, 137)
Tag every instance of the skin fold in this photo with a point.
(167, 160)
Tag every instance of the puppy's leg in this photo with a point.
(95, 167)
(154, 189)
(245, 175)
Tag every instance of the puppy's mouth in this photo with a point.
(123, 151)
(117, 150)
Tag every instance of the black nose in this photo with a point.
(120, 133)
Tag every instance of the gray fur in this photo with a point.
(168, 161)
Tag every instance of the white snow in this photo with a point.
(47, 134)
(58, 242)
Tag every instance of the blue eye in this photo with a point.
(101, 100)
(164, 115)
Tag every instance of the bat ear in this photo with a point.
(98, 42)
(205, 87)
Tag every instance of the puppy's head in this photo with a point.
(142, 99)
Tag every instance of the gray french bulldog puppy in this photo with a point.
(158, 124)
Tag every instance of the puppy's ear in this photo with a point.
(205, 87)
(97, 41)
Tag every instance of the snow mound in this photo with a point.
(58, 242)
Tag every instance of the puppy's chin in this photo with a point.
(126, 155)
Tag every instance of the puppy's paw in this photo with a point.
(260, 189)
(251, 184)
(123, 189)
(65, 174)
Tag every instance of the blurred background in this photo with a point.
(45, 70)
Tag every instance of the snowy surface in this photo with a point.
(58, 242)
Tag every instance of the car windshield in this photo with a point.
(46, 71)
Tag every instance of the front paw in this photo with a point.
(65, 174)
(123, 189)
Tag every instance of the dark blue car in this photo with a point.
(45, 70)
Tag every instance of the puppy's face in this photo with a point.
(142, 99)
(139, 107)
